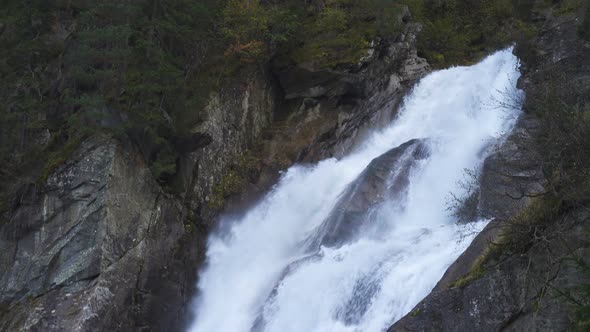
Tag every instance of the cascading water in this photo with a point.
(277, 269)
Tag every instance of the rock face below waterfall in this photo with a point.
(386, 178)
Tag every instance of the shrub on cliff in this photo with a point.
(564, 111)
(461, 32)
(253, 29)
(322, 33)
(70, 69)
(341, 31)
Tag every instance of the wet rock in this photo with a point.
(345, 103)
(386, 178)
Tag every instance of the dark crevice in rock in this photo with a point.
(510, 320)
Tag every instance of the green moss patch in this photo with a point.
(236, 179)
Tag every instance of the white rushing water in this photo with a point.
(367, 284)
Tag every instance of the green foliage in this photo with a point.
(246, 25)
(581, 294)
(239, 175)
(568, 6)
(146, 67)
(140, 67)
(336, 41)
(461, 32)
(58, 155)
(475, 273)
(253, 30)
(341, 32)
(143, 66)
(26, 92)
(164, 165)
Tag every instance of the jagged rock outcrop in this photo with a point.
(328, 110)
(237, 115)
(309, 128)
(386, 178)
(84, 251)
(487, 290)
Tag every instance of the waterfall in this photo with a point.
(263, 274)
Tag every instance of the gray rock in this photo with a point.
(76, 250)
(511, 175)
(101, 247)
(386, 178)
(358, 102)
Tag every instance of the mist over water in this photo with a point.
(250, 281)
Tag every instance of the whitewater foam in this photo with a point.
(371, 282)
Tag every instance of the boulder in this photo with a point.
(385, 179)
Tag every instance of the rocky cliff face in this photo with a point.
(82, 251)
(318, 119)
(101, 246)
(327, 111)
(492, 287)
